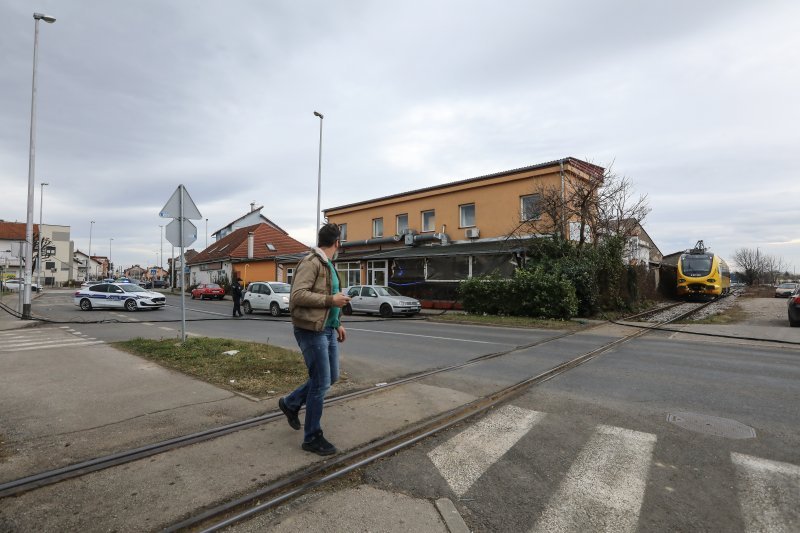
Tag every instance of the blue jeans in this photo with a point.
(321, 354)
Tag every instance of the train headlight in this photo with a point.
(681, 280)
(712, 280)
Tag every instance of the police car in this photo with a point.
(128, 296)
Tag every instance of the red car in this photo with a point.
(208, 290)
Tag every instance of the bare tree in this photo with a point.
(619, 212)
(758, 267)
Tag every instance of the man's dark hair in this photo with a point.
(328, 234)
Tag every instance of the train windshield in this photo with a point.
(696, 265)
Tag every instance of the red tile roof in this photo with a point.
(234, 245)
(14, 231)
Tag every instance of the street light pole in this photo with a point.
(39, 262)
(109, 257)
(206, 233)
(26, 299)
(89, 260)
(319, 170)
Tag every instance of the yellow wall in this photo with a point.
(255, 271)
(497, 206)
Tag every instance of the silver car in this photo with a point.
(272, 296)
(128, 296)
(785, 289)
(16, 284)
(380, 300)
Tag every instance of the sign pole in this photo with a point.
(183, 277)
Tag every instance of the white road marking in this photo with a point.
(417, 335)
(165, 328)
(465, 457)
(769, 493)
(604, 488)
(49, 346)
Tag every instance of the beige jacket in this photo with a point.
(311, 297)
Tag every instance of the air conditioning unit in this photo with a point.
(473, 233)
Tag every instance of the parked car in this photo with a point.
(160, 284)
(128, 296)
(15, 284)
(378, 299)
(272, 296)
(785, 289)
(89, 283)
(794, 308)
(208, 290)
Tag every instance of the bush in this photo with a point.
(530, 292)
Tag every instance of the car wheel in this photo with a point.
(130, 305)
(192, 296)
(222, 297)
(275, 309)
(86, 305)
(247, 308)
(794, 323)
(347, 309)
(386, 311)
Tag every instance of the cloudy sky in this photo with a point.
(695, 102)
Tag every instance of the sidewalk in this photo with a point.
(62, 405)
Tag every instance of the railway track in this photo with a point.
(278, 492)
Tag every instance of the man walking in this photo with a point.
(315, 305)
(236, 293)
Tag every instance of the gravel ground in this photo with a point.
(759, 311)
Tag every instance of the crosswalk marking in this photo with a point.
(769, 493)
(464, 458)
(604, 488)
(45, 339)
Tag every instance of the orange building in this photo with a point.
(423, 242)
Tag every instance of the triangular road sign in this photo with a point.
(173, 207)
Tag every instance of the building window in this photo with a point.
(377, 227)
(402, 223)
(429, 220)
(529, 207)
(289, 275)
(342, 232)
(466, 214)
(350, 273)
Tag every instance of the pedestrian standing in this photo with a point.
(236, 293)
(315, 305)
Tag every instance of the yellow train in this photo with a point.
(702, 273)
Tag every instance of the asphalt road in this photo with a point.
(665, 433)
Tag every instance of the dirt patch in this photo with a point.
(764, 311)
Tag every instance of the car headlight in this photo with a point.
(285, 299)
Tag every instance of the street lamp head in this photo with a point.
(46, 18)
(318, 114)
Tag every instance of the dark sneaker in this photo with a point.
(319, 445)
(291, 416)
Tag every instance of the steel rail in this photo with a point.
(50, 477)
(281, 491)
(42, 479)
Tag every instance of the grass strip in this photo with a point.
(257, 369)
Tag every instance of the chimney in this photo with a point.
(250, 240)
(252, 206)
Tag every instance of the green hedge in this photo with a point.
(530, 292)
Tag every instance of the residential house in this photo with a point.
(83, 264)
(253, 253)
(56, 267)
(251, 218)
(12, 248)
(426, 241)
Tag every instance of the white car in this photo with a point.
(87, 284)
(272, 296)
(379, 299)
(16, 284)
(128, 296)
